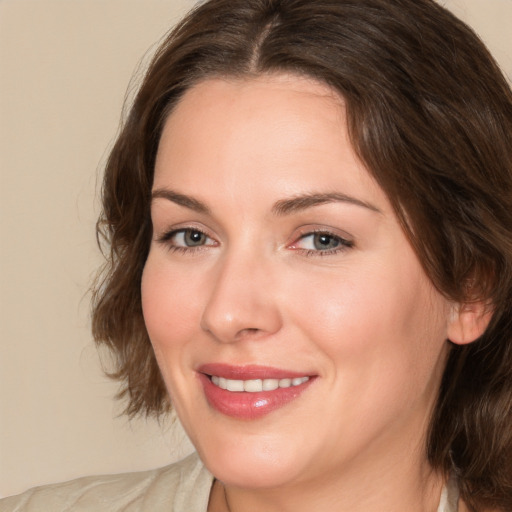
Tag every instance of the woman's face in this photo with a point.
(277, 262)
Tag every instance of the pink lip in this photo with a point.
(246, 372)
(243, 405)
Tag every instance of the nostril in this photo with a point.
(248, 331)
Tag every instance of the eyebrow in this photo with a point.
(180, 199)
(281, 207)
(303, 202)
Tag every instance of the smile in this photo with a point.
(256, 385)
(250, 392)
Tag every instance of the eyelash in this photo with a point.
(343, 244)
(167, 237)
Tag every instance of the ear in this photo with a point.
(468, 322)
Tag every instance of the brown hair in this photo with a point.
(429, 113)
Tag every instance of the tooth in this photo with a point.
(235, 385)
(285, 383)
(253, 386)
(256, 385)
(270, 384)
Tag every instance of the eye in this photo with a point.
(189, 238)
(186, 239)
(321, 243)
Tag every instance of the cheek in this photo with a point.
(345, 309)
(170, 305)
(384, 322)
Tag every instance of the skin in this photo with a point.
(364, 318)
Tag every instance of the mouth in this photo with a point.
(256, 385)
(250, 392)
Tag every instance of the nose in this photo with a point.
(241, 304)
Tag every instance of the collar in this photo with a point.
(449, 496)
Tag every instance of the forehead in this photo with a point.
(281, 132)
(264, 85)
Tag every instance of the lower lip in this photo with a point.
(249, 406)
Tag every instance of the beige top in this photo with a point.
(181, 487)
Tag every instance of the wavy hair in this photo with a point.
(430, 115)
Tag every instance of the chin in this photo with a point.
(252, 463)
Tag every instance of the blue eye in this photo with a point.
(189, 238)
(186, 239)
(321, 243)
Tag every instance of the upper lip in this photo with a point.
(248, 372)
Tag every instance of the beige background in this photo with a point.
(64, 69)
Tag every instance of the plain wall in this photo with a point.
(64, 69)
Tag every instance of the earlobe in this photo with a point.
(468, 322)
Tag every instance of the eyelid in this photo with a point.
(346, 241)
(168, 234)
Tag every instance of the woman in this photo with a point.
(308, 215)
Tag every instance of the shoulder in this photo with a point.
(180, 487)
